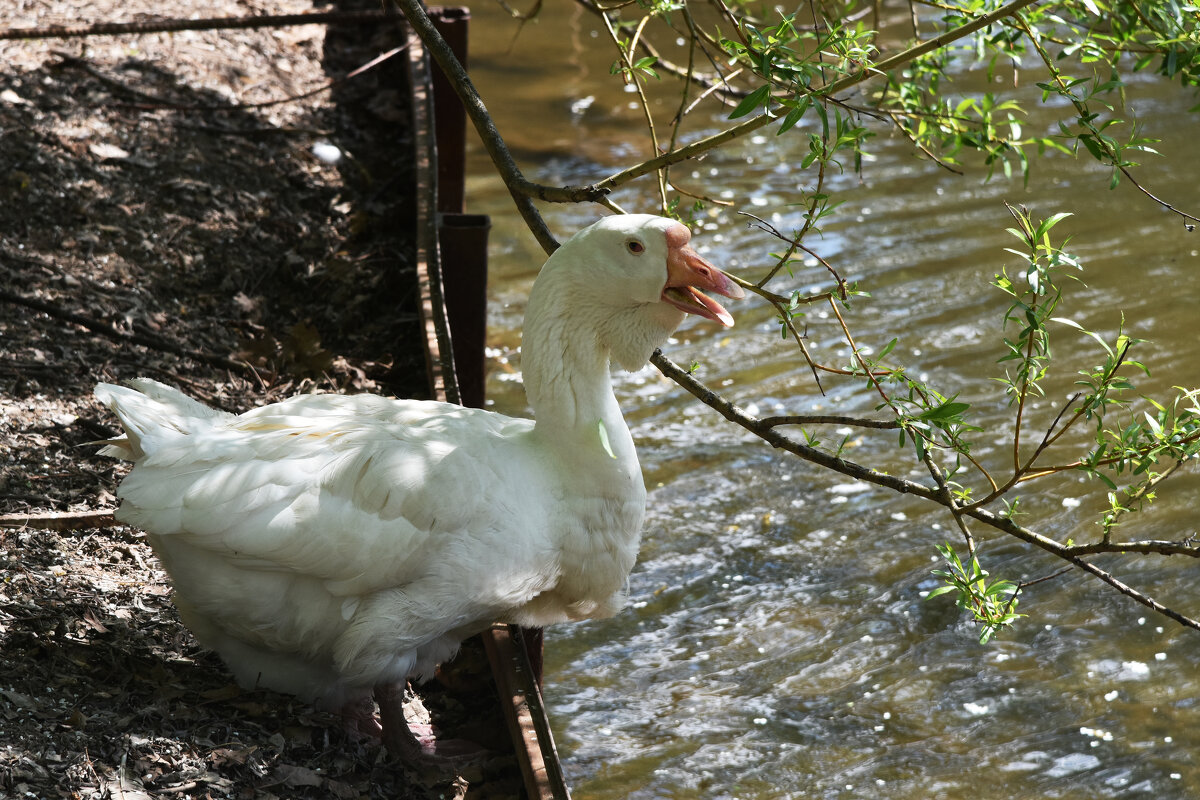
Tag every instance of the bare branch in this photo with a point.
(828, 419)
(109, 332)
(60, 521)
(169, 25)
(1185, 547)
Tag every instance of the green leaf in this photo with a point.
(1001, 587)
(1069, 322)
(794, 114)
(823, 113)
(752, 101)
(1050, 222)
(1093, 147)
(604, 440)
(945, 411)
(646, 65)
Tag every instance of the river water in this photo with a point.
(777, 644)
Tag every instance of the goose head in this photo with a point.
(632, 279)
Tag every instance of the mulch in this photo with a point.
(169, 208)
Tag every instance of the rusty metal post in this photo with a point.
(449, 117)
(463, 237)
(463, 240)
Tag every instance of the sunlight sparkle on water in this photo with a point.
(1072, 763)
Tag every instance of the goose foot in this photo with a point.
(413, 742)
(360, 721)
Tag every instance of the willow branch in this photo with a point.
(828, 419)
(1146, 488)
(631, 77)
(827, 91)
(521, 189)
(723, 88)
(1085, 115)
(772, 436)
(1025, 472)
(1186, 547)
(1102, 462)
(895, 118)
(720, 83)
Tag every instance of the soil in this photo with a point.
(197, 208)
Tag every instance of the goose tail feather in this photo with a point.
(151, 414)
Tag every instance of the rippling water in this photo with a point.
(777, 644)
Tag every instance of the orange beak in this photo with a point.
(688, 273)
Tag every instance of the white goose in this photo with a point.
(328, 546)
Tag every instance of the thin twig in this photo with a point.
(170, 25)
(794, 242)
(107, 331)
(716, 201)
(1146, 488)
(1085, 114)
(719, 84)
(522, 16)
(715, 87)
(677, 121)
(153, 102)
(1103, 462)
(894, 117)
(631, 77)
(1057, 573)
(784, 310)
(1022, 472)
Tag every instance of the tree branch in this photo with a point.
(171, 25)
(521, 189)
(826, 91)
(828, 419)
(851, 469)
(1186, 547)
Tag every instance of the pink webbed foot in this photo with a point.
(414, 742)
(359, 719)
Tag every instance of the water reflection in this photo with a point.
(777, 644)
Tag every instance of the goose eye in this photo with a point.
(635, 247)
